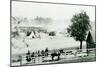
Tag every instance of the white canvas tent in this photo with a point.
(31, 35)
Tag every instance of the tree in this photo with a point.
(80, 26)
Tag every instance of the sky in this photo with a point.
(57, 12)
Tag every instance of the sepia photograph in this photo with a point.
(52, 33)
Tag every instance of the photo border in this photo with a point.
(45, 3)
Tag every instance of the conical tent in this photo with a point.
(31, 35)
(90, 41)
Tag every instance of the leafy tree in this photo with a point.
(80, 26)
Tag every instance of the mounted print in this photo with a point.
(52, 33)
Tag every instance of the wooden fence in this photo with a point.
(40, 59)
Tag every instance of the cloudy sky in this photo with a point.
(58, 12)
